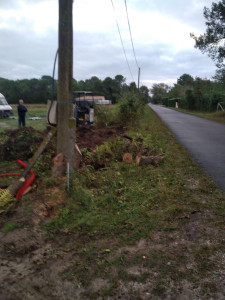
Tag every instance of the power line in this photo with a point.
(131, 34)
(121, 40)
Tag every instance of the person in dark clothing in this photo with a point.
(21, 108)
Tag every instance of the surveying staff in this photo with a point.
(21, 108)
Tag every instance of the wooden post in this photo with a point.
(139, 70)
(66, 124)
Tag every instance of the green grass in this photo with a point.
(125, 203)
(213, 116)
(34, 110)
(129, 200)
(9, 227)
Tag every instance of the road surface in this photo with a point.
(204, 139)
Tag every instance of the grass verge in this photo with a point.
(218, 116)
(122, 204)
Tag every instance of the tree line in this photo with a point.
(191, 93)
(40, 90)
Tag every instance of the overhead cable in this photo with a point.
(131, 34)
(121, 40)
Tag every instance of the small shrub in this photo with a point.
(131, 109)
(106, 116)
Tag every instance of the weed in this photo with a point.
(24, 136)
(49, 181)
(107, 116)
(112, 286)
(43, 164)
(9, 227)
(160, 288)
(204, 261)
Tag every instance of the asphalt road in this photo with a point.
(204, 139)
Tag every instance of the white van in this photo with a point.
(5, 108)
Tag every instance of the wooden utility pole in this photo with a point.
(65, 120)
(139, 71)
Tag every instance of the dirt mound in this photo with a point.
(90, 138)
(21, 143)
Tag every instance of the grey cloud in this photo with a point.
(97, 54)
(26, 55)
(188, 61)
(183, 10)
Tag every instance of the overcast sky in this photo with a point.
(160, 29)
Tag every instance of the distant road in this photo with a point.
(204, 139)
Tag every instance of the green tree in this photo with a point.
(158, 91)
(185, 80)
(190, 99)
(94, 84)
(133, 87)
(108, 88)
(120, 81)
(144, 93)
(220, 76)
(212, 41)
(177, 91)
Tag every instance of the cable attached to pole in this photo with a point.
(53, 87)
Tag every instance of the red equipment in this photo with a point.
(29, 180)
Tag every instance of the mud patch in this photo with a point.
(89, 138)
(100, 284)
(21, 143)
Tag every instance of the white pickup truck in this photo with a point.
(5, 108)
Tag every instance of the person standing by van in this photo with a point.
(21, 108)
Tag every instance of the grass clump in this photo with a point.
(9, 227)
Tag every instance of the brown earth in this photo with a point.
(21, 143)
(90, 138)
(37, 266)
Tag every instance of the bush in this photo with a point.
(106, 115)
(189, 97)
(182, 103)
(165, 101)
(131, 109)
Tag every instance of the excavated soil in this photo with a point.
(90, 138)
(22, 143)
